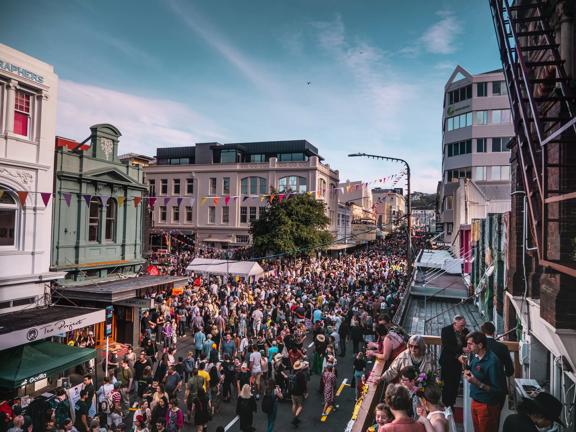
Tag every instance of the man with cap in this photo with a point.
(300, 390)
(535, 414)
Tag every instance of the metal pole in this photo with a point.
(106, 368)
(409, 251)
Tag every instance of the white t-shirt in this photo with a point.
(255, 359)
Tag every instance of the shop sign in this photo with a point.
(33, 379)
(24, 73)
(46, 330)
(145, 303)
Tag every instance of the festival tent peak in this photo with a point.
(222, 267)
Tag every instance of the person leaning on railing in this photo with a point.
(416, 355)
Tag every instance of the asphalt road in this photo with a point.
(311, 417)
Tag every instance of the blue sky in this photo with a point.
(176, 72)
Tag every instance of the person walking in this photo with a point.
(245, 409)
(329, 387)
(201, 410)
(270, 403)
(174, 417)
(299, 391)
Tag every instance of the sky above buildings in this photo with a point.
(348, 76)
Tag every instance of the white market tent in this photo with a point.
(223, 267)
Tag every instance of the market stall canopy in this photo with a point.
(27, 364)
(222, 267)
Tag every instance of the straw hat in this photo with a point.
(321, 338)
(245, 393)
(299, 365)
(278, 357)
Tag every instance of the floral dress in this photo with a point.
(329, 381)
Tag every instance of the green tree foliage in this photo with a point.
(295, 225)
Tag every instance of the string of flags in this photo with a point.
(214, 200)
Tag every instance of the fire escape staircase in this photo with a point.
(543, 108)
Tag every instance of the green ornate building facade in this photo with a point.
(97, 229)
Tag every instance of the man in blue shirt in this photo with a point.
(199, 339)
(487, 383)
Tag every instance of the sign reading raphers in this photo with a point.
(24, 73)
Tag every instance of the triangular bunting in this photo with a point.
(203, 200)
(137, 201)
(262, 198)
(215, 199)
(227, 200)
(280, 197)
(152, 201)
(271, 198)
(22, 195)
(235, 198)
(179, 201)
(104, 199)
(67, 197)
(192, 201)
(245, 198)
(87, 198)
(166, 201)
(46, 197)
(121, 201)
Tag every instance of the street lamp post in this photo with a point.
(409, 246)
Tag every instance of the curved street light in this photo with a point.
(409, 209)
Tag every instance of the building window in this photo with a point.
(501, 116)
(455, 174)
(481, 117)
(212, 186)
(448, 203)
(459, 148)
(226, 186)
(225, 215)
(190, 186)
(292, 184)
(263, 185)
(481, 145)
(253, 213)
(244, 186)
(188, 214)
(9, 212)
(175, 214)
(257, 158)
(449, 150)
(499, 88)
(94, 220)
(176, 187)
(229, 156)
(292, 157)
(459, 95)
(253, 184)
(163, 186)
(22, 113)
(111, 216)
(242, 239)
(163, 214)
(500, 172)
(243, 214)
(152, 187)
(500, 144)
(211, 215)
(479, 173)
(482, 89)
(449, 228)
(459, 121)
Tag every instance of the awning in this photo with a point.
(31, 325)
(222, 267)
(33, 362)
(217, 240)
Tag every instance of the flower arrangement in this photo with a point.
(424, 380)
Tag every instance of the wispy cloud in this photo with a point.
(145, 123)
(202, 26)
(442, 37)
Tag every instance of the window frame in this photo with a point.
(211, 215)
(163, 214)
(16, 208)
(484, 87)
(164, 186)
(226, 186)
(481, 145)
(176, 186)
(111, 221)
(189, 214)
(225, 215)
(212, 184)
(175, 214)
(252, 214)
(152, 187)
(95, 221)
(243, 214)
(28, 114)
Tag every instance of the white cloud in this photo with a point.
(145, 123)
(441, 38)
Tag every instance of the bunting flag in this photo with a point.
(309, 193)
(121, 201)
(152, 201)
(179, 201)
(235, 198)
(22, 195)
(166, 201)
(244, 199)
(137, 201)
(46, 197)
(192, 201)
(104, 199)
(1, 193)
(203, 200)
(87, 198)
(262, 198)
(67, 197)
(227, 199)
(280, 197)
(215, 200)
(271, 198)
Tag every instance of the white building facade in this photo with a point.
(28, 94)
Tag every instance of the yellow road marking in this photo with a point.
(340, 390)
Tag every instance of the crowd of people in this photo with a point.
(249, 344)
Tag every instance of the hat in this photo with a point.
(140, 418)
(298, 364)
(278, 357)
(321, 337)
(548, 405)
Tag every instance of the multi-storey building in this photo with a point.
(211, 192)
(476, 130)
(389, 206)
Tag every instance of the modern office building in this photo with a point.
(476, 130)
(211, 192)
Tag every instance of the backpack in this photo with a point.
(268, 404)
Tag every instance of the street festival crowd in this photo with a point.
(249, 349)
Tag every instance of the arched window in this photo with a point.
(292, 184)
(94, 219)
(111, 215)
(322, 187)
(9, 212)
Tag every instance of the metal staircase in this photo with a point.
(543, 108)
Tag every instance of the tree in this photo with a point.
(292, 225)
